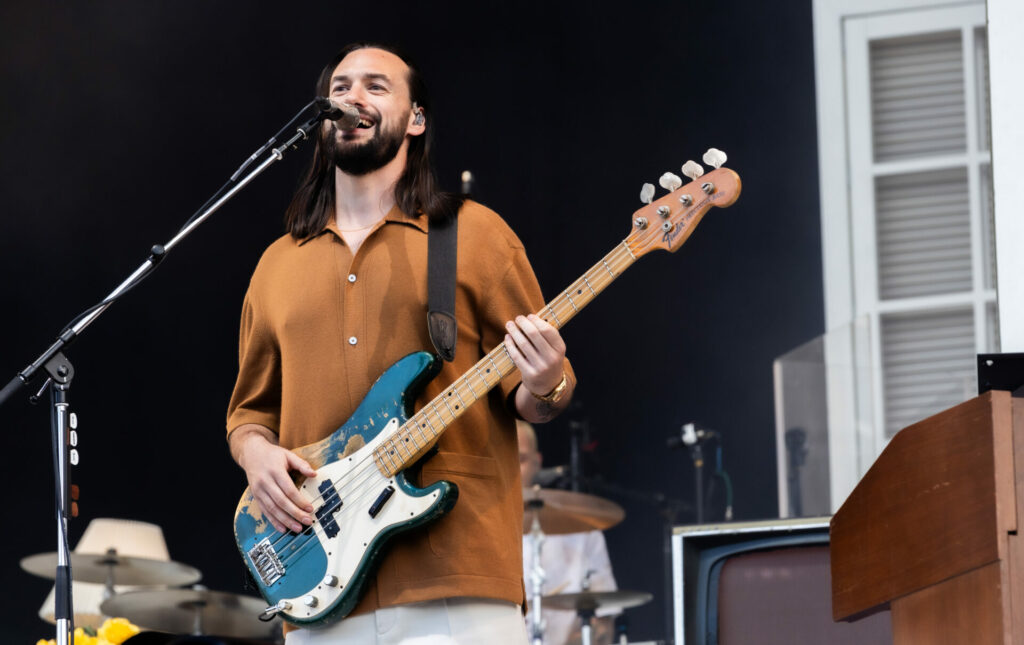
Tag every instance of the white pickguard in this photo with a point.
(359, 483)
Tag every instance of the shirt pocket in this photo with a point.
(478, 530)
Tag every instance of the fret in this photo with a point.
(396, 447)
(445, 401)
(412, 438)
(489, 358)
(575, 309)
(402, 444)
(392, 449)
(459, 397)
(610, 272)
(587, 282)
(628, 250)
(552, 311)
(388, 455)
(438, 415)
(433, 431)
(481, 375)
(469, 385)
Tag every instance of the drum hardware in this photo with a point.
(196, 611)
(557, 512)
(564, 511)
(110, 568)
(586, 604)
(537, 576)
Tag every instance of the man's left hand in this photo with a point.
(538, 350)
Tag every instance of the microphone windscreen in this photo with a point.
(344, 116)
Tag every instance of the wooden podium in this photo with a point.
(931, 529)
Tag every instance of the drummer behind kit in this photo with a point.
(548, 512)
(563, 551)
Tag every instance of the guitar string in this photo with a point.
(364, 464)
(362, 467)
(424, 412)
(563, 296)
(560, 301)
(454, 387)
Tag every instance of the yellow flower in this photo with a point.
(81, 638)
(115, 631)
(43, 641)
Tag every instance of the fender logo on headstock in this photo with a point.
(668, 236)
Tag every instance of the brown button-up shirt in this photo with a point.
(319, 325)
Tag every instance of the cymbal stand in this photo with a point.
(537, 575)
(111, 561)
(586, 614)
(198, 606)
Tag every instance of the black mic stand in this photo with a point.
(693, 438)
(60, 371)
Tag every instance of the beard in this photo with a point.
(364, 158)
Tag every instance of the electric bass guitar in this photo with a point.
(360, 494)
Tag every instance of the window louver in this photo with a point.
(917, 96)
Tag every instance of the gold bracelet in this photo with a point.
(555, 395)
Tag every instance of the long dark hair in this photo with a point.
(416, 190)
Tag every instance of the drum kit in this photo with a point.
(172, 603)
(192, 610)
(548, 511)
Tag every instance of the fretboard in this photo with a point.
(408, 442)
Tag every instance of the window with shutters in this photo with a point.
(908, 239)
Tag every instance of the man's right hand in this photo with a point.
(267, 467)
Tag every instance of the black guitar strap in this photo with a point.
(441, 255)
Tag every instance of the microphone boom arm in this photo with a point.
(157, 254)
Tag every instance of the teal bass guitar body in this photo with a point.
(317, 576)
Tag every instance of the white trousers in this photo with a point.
(449, 621)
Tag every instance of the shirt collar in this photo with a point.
(395, 215)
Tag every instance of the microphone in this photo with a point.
(689, 435)
(548, 476)
(345, 116)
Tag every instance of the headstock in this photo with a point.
(667, 222)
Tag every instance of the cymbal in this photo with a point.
(566, 511)
(592, 600)
(193, 611)
(97, 567)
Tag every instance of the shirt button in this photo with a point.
(351, 277)
(352, 340)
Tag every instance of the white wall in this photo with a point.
(1006, 58)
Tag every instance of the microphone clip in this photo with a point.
(690, 435)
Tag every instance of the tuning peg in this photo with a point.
(714, 157)
(670, 181)
(692, 169)
(647, 193)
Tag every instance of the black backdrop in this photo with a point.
(119, 118)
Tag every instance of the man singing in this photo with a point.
(341, 297)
